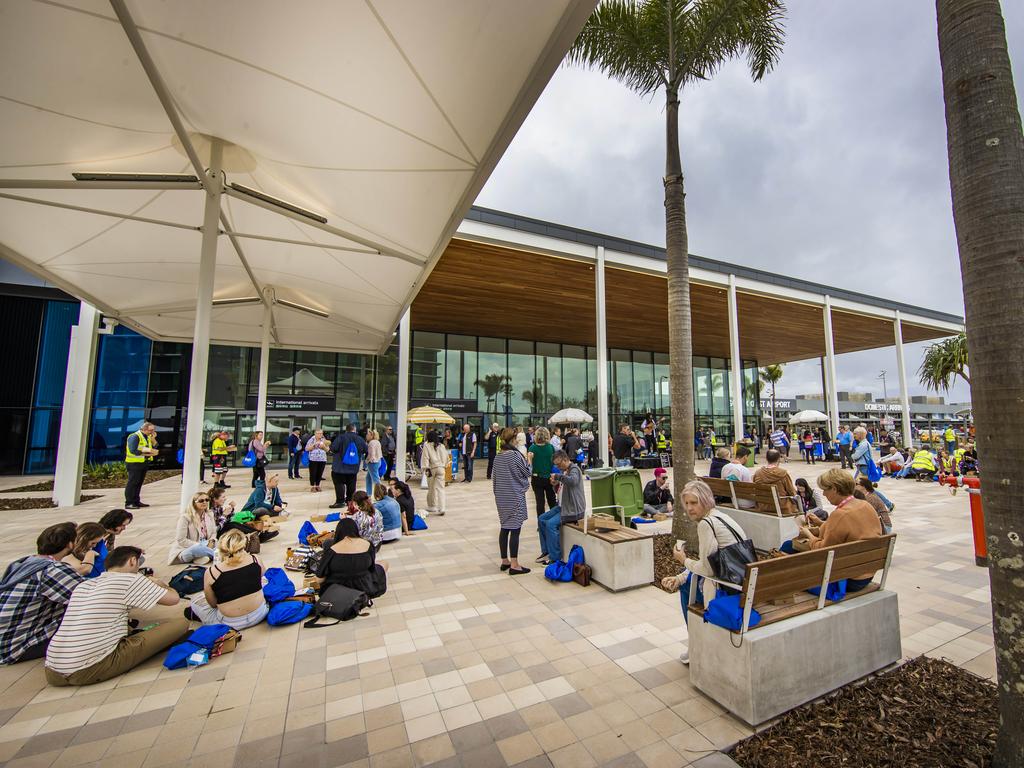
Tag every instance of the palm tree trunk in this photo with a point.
(680, 344)
(986, 173)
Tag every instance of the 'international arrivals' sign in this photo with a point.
(293, 403)
(451, 407)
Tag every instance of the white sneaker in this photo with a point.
(684, 657)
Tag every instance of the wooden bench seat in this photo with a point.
(804, 645)
(765, 496)
(621, 558)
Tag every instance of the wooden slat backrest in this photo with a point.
(859, 558)
(785, 576)
(718, 486)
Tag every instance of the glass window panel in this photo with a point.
(42, 441)
(702, 386)
(549, 377)
(315, 373)
(122, 369)
(574, 377)
(592, 381)
(751, 391)
(522, 377)
(662, 401)
(52, 367)
(719, 387)
(168, 374)
(387, 379)
(426, 365)
(643, 383)
(620, 381)
(280, 378)
(226, 377)
(355, 381)
(492, 378)
(461, 374)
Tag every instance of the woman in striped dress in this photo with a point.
(511, 479)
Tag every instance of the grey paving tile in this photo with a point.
(504, 726)
(470, 737)
(488, 756)
(569, 705)
(47, 742)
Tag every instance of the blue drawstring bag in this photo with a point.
(351, 455)
(725, 611)
(288, 612)
(306, 531)
(333, 517)
(304, 461)
(559, 571)
(836, 591)
(181, 456)
(278, 587)
(418, 523)
(874, 473)
(204, 637)
(382, 468)
(249, 460)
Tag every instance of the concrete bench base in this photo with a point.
(797, 660)
(766, 531)
(617, 566)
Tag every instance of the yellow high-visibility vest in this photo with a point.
(419, 436)
(137, 458)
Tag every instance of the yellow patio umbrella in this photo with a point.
(428, 414)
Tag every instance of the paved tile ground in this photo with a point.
(458, 665)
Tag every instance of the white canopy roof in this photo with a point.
(384, 117)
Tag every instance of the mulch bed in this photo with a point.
(88, 484)
(927, 713)
(664, 565)
(23, 503)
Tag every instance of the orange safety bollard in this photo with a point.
(973, 485)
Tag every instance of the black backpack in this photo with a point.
(189, 581)
(338, 602)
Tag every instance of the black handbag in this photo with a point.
(340, 603)
(729, 563)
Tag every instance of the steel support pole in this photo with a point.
(604, 426)
(832, 396)
(74, 416)
(904, 393)
(261, 397)
(201, 337)
(402, 406)
(736, 374)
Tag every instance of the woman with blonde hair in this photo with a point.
(196, 534)
(374, 454)
(541, 457)
(715, 530)
(89, 550)
(232, 589)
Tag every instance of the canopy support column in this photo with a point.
(261, 397)
(603, 417)
(74, 416)
(904, 394)
(201, 339)
(832, 396)
(402, 406)
(736, 378)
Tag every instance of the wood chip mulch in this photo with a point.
(664, 565)
(29, 503)
(927, 713)
(90, 484)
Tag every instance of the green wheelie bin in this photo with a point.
(602, 491)
(629, 493)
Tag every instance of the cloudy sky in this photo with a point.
(832, 169)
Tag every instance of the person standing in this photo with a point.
(541, 457)
(259, 450)
(374, 453)
(949, 437)
(294, 454)
(492, 448)
(317, 447)
(467, 444)
(349, 449)
(861, 452)
(389, 448)
(511, 479)
(138, 456)
(435, 466)
(219, 458)
(845, 440)
(556, 438)
(622, 446)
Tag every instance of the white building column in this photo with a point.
(201, 337)
(832, 396)
(904, 394)
(402, 406)
(601, 319)
(261, 397)
(736, 373)
(74, 415)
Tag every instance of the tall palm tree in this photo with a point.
(652, 45)
(986, 174)
(943, 362)
(770, 375)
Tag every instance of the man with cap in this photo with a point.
(657, 495)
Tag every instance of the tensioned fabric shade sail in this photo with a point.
(383, 117)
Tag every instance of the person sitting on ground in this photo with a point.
(810, 499)
(737, 471)
(852, 520)
(969, 461)
(114, 523)
(403, 495)
(866, 490)
(351, 561)
(196, 534)
(922, 467)
(657, 494)
(222, 508)
(773, 474)
(948, 465)
(892, 462)
(266, 499)
(390, 512)
(89, 550)
(93, 643)
(571, 506)
(232, 589)
(718, 530)
(34, 593)
(369, 521)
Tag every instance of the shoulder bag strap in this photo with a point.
(731, 529)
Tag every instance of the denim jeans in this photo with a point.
(294, 463)
(372, 476)
(549, 527)
(196, 550)
(623, 463)
(684, 595)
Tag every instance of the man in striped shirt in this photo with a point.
(93, 643)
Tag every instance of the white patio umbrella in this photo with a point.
(806, 417)
(571, 416)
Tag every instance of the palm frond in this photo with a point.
(625, 40)
(943, 362)
(720, 30)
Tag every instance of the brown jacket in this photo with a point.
(856, 520)
(783, 483)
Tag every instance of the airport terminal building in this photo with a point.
(504, 329)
